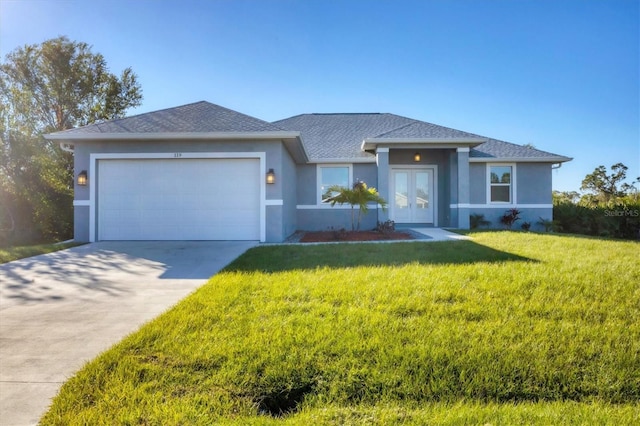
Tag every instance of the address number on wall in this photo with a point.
(177, 155)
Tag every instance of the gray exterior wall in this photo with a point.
(307, 191)
(289, 195)
(478, 183)
(336, 218)
(533, 186)
(534, 183)
(294, 197)
(531, 215)
(81, 223)
(314, 217)
(366, 172)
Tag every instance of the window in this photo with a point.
(500, 178)
(329, 176)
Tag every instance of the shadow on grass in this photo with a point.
(291, 257)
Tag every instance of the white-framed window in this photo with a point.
(331, 175)
(501, 178)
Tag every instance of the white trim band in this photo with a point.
(500, 206)
(336, 207)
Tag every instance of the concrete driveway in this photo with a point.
(60, 310)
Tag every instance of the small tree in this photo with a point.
(605, 187)
(359, 195)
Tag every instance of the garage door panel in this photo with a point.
(179, 199)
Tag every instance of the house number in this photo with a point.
(177, 155)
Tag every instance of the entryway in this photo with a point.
(413, 196)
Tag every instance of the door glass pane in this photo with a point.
(401, 190)
(422, 190)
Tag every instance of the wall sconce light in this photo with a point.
(417, 157)
(82, 178)
(271, 176)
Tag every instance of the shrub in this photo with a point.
(386, 226)
(526, 226)
(477, 220)
(510, 217)
(547, 224)
(617, 220)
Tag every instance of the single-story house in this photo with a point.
(204, 172)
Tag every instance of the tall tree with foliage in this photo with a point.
(56, 85)
(607, 187)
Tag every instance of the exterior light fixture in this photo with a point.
(82, 178)
(417, 157)
(271, 176)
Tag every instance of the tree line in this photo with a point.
(607, 207)
(56, 85)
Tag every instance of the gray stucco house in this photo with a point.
(204, 172)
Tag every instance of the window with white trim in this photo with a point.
(329, 176)
(501, 184)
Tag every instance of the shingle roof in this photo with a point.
(196, 117)
(333, 136)
(339, 136)
(420, 129)
(325, 136)
(494, 148)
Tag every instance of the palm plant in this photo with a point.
(359, 195)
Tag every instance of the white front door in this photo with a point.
(412, 195)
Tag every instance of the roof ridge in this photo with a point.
(151, 112)
(240, 113)
(331, 113)
(346, 113)
(194, 115)
(397, 128)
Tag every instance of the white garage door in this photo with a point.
(179, 199)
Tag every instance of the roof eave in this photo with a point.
(62, 136)
(371, 144)
(295, 146)
(292, 140)
(354, 160)
(551, 159)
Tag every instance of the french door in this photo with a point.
(412, 192)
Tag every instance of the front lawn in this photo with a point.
(7, 254)
(511, 328)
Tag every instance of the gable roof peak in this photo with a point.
(196, 117)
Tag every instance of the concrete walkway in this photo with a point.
(60, 310)
(439, 234)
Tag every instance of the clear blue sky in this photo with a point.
(562, 75)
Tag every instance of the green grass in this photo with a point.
(511, 328)
(7, 254)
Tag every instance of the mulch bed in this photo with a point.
(335, 236)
